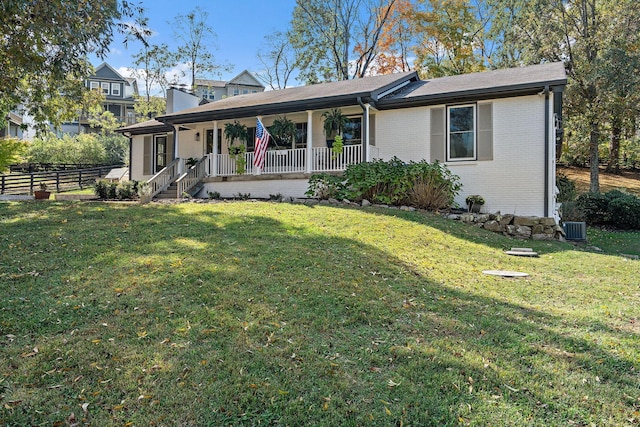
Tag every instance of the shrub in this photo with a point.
(420, 184)
(566, 188)
(126, 190)
(624, 211)
(431, 185)
(616, 208)
(325, 186)
(378, 181)
(594, 208)
(215, 195)
(100, 189)
(570, 211)
(112, 190)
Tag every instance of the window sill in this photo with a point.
(461, 163)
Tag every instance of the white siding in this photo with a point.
(513, 182)
(137, 156)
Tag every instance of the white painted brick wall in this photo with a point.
(258, 189)
(513, 182)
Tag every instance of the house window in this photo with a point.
(461, 135)
(94, 85)
(236, 91)
(245, 91)
(115, 89)
(105, 88)
(352, 131)
(161, 152)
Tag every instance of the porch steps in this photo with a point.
(169, 193)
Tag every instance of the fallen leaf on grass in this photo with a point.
(392, 383)
(33, 353)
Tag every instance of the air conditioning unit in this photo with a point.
(575, 230)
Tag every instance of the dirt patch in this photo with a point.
(629, 180)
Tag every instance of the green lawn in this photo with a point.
(275, 314)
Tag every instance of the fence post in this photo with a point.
(31, 184)
(58, 182)
(2, 187)
(80, 178)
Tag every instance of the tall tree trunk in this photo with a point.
(614, 152)
(594, 160)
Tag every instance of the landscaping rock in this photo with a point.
(527, 221)
(494, 226)
(506, 219)
(482, 218)
(365, 202)
(468, 218)
(334, 201)
(537, 229)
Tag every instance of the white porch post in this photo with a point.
(309, 140)
(214, 155)
(176, 143)
(367, 151)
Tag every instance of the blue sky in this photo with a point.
(240, 25)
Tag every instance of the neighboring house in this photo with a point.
(119, 95)
(12, 127)
(215, 90)
(496, 130)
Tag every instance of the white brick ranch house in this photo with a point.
(496, 130)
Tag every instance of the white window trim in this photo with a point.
(115, 89)
(94, 85)
(475, 134)
(105, 86)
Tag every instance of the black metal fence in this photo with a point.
(60, 180)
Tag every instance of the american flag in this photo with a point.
(262, 139)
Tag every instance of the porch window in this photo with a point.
(352, 132)
(461, 134)
(161, 152)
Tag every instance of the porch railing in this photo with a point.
(287, 161)
(325, 160)
(190, 179)
(163, 179)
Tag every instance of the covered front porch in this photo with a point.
(180, 177)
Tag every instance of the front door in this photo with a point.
(161, 152)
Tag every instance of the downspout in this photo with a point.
(547, 213)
